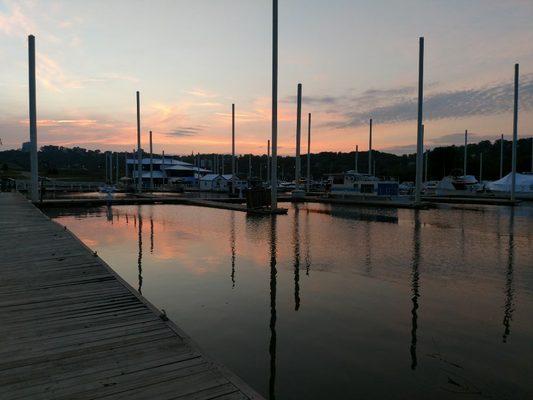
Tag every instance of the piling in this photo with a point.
(515, 132)
(233, 148)
(139, 155)
(34, 166)
(151, 164)
(116, 162)
(370, 149)
(308, 180)
(501, 158)
(420, 130)
(274, 173)
(297, 174)
(465, 153)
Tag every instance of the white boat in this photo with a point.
(523, 185)
(356, 184)
(466, 185)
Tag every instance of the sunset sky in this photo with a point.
(191, 59)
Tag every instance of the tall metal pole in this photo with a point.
(501, 157)
(106, 167)
(466, 152)
(151, 164)
(420, 133)
(268, 161)
(116, 162)
(356, 158)
(139, 155)
(370, 149)
(515, 131)
(163, 164)
(297, 169)
(308, 179)
(274, 173)
(233, 148)
(34, 166)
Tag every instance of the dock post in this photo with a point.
(34, 165)
(117, 174)
(274, 173)
(308, 179)
(139, 155)
(126, 164)
(297, 167)
(356, 158)
(370, 149)
(233, 149)
(501, 157)
(515, 132)
(420, 133)
(151, 164)
(466, 152)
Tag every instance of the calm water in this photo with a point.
(338, 302)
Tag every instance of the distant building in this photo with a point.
(166, 170)
(26, 147)
(213, 183)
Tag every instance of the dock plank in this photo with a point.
(72, 328)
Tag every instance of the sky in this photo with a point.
(191, 60)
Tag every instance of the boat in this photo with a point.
(351, 183)
(466, 185)
(523, 185)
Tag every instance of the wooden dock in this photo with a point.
(73, 329)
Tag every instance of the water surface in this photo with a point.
(338, 302)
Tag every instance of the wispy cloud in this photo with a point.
(400, 105)
(185, 131)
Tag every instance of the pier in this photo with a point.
(72, 328)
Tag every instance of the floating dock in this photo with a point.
(73, 329)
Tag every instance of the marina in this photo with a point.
(167, 231)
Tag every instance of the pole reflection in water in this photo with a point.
(232, 244)
(415, 289)
(307, 245)
(151, 230)
(109, 214)
(140, 254)
(273, 281)
(296, 245)
(509, 284)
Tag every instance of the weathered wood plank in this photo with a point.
(72, 328)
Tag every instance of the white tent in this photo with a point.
(524, 184)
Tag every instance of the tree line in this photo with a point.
(79, 163)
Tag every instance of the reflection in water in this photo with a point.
(307, 245)
(151, 234)
(109, 213)
(296, 245)
(509, 286)
(140, 254)
(232, 244)
(415, 276)
(273, 282)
